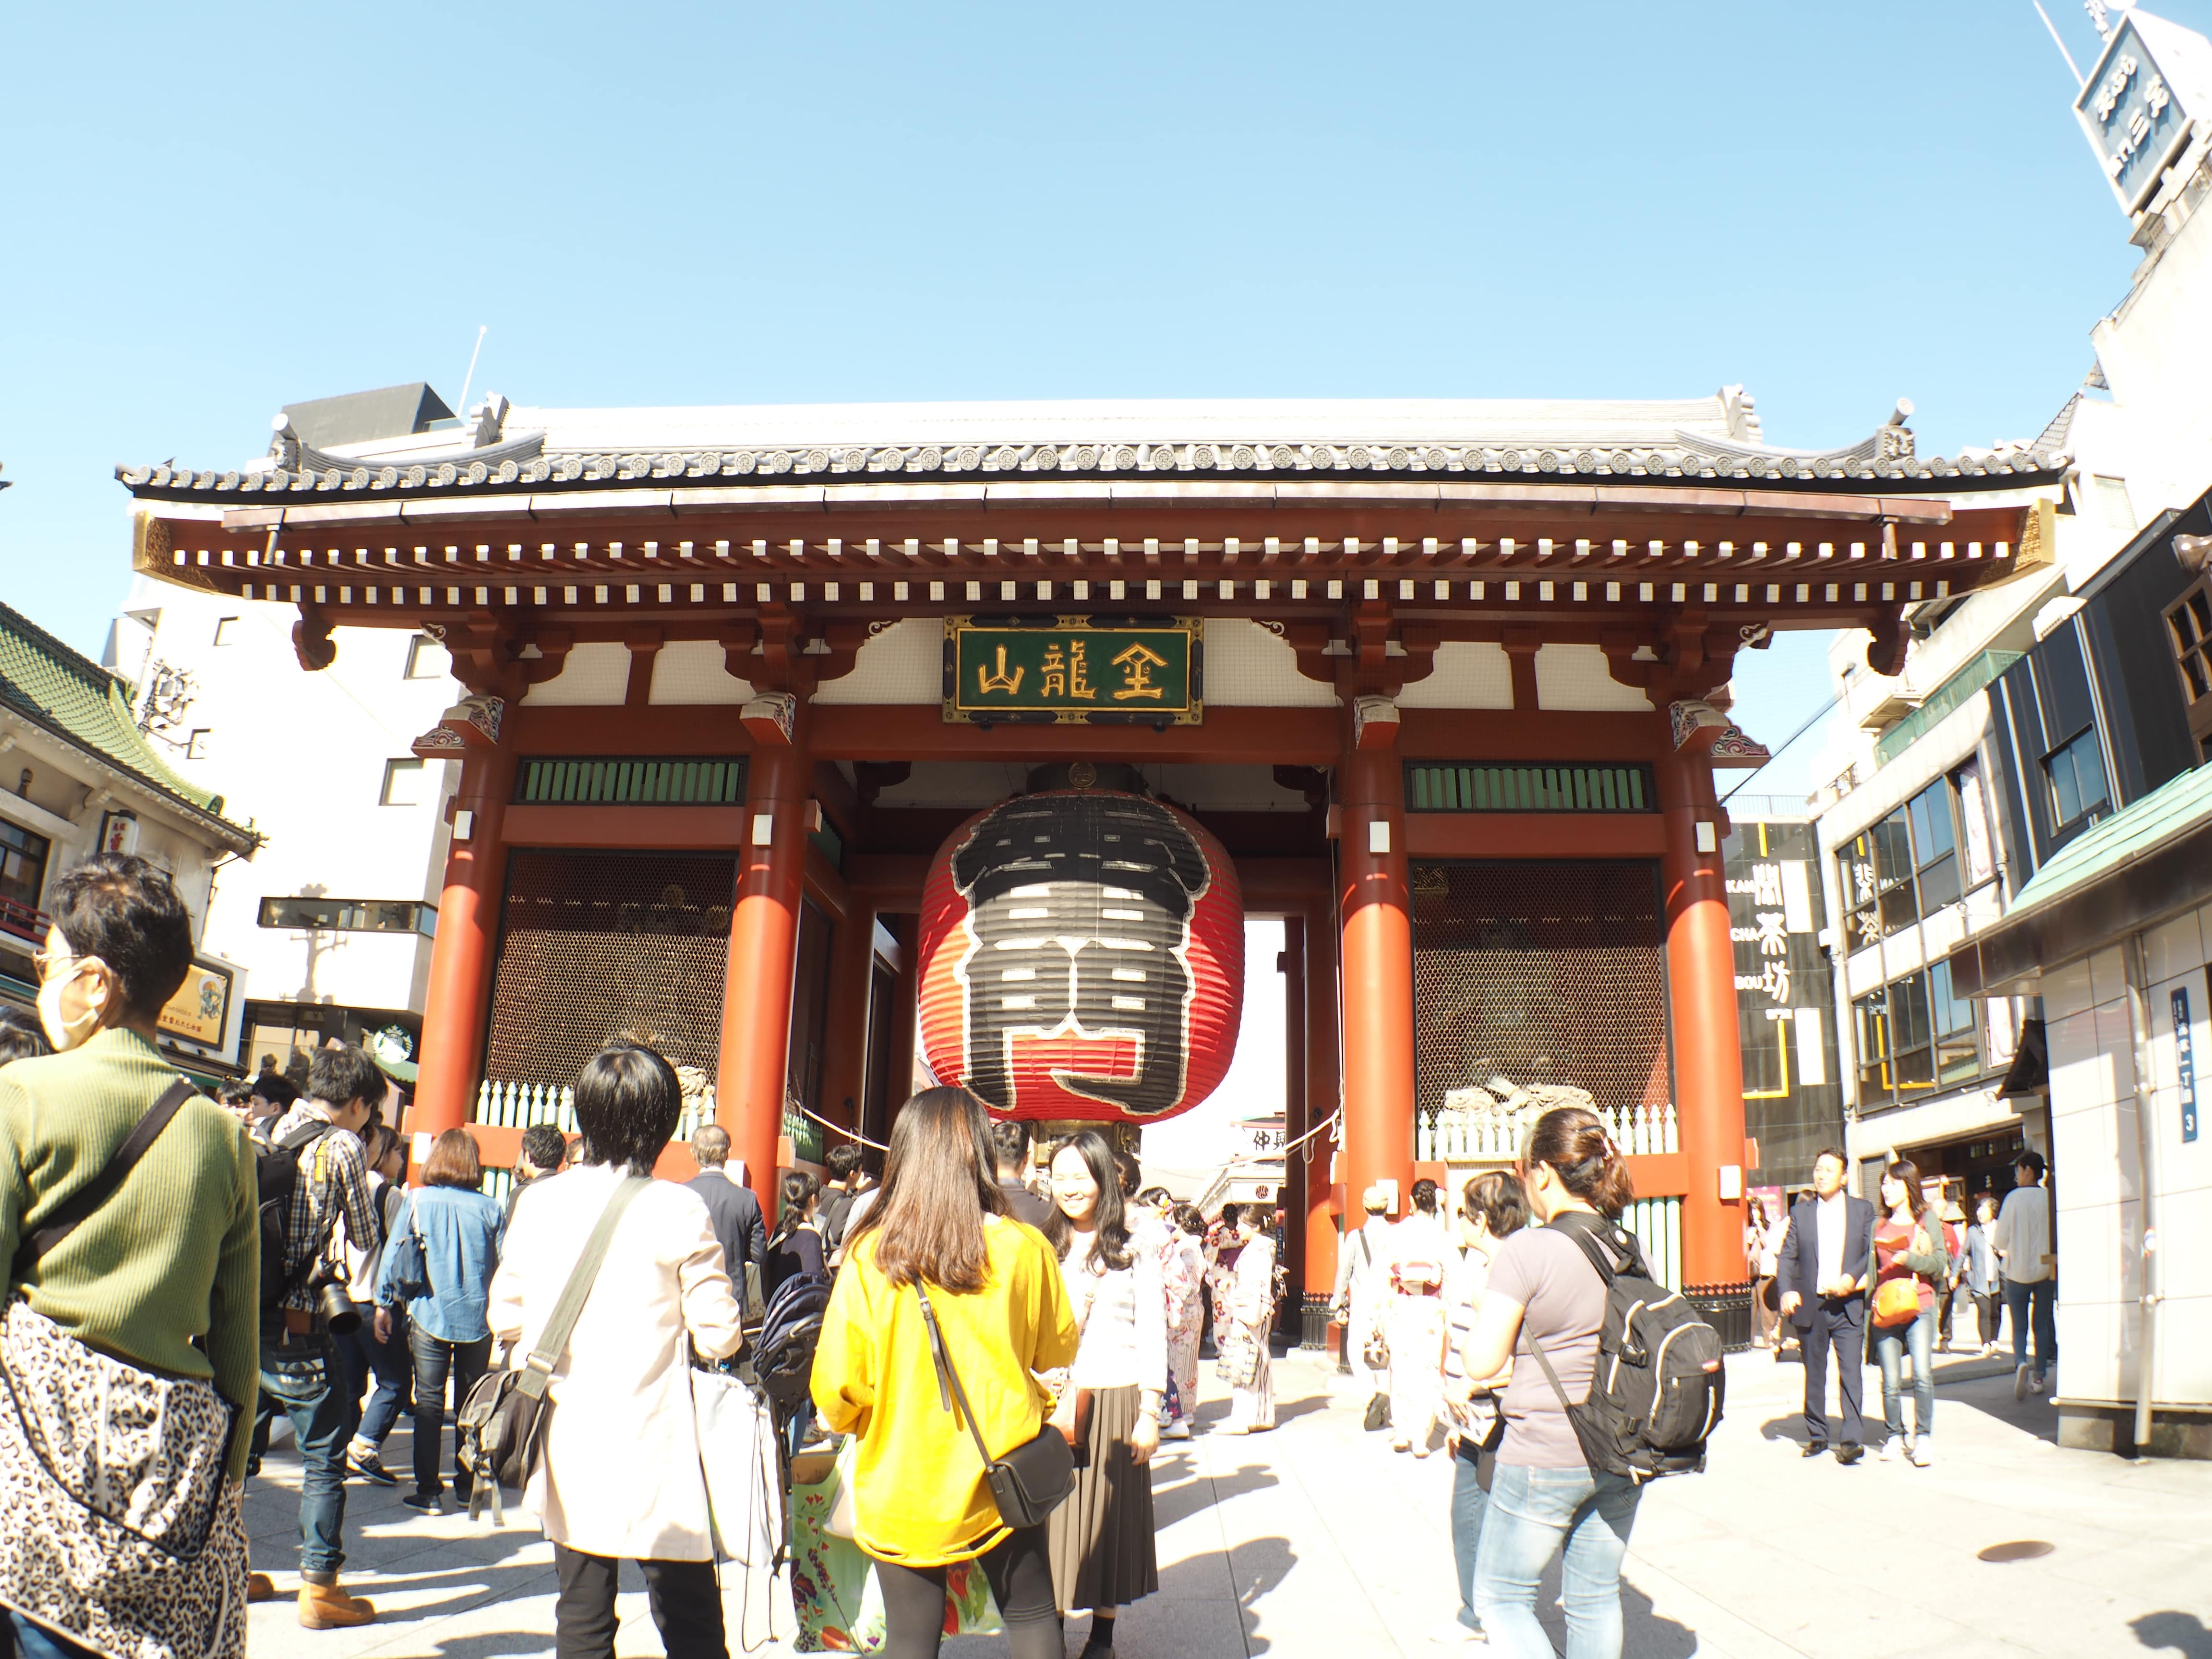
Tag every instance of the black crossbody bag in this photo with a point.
(1029, 1482)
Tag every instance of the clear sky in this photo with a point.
(209, 215)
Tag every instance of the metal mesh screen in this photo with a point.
(593, 944)
(1541, 972)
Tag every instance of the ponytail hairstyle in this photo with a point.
(800, 1187)
(1425, 1196)
(1573, 1140)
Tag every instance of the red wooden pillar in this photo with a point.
(1377, 969)
(1701, 985)
(1292, 964)
(458, 998)
(1324, 1091)
(764, 938)
(845, 1044)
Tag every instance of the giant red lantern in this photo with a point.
(1082, 957)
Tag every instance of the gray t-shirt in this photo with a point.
(1547, 1273)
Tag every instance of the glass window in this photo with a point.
(226, 630)
(1912, 1066)
(1934, 847)
(1870, 1026)
(1855, 879)
(427, 660)
(1958, 1051)
(2191, 622)
(2077, 772)
(1980, 849)
(303, 914)
(403, 783)
(22, 876)
(1893, 848)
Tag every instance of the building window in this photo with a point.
(196, 746)
(403, 783)
(2113, 506)
(1934, 847)
(427, 660)
(2077, 771)
(351, 916)
(2190, 620)
(226, 630)
(1900, 869)
(1870, 1025)
(22, 879)
(1958, 1046)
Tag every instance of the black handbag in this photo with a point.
(501, 1427)
(1029, 1482)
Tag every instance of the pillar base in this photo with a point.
(1313, 1324)
(1727, 1308)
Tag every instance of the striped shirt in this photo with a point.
(333, 1182)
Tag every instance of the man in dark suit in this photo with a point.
(1821, 1274)
(1011, 1140)
(733, 1210)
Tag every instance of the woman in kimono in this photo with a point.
(1413, 1320)
(1182, 1278)
(1250, 1305)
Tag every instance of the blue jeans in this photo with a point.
(1467, 1502)
(297, 1379)
(390, 1364)
(26, 1640)
(2039, 1300)
(1890, 1347)
(1531, 1513)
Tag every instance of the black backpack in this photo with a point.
(276, 1173)
(1656, 1395)
(783, 1358)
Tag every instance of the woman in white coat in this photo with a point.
(620, 1476)
(1413, 1320)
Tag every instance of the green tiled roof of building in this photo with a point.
(75, 698)
(2168, 810)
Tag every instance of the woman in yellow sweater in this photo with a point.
(919, 1498)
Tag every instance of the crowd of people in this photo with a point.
(1006, 1341)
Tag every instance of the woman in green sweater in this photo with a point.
(163, 1275)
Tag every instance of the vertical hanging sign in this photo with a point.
(2185, 1062)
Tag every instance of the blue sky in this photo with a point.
(210, 217)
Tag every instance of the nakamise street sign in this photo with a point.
(1075, 670)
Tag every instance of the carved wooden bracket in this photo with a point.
(311, 640)
(553, 645)
(485, 649)
(1885, 651)
(737, 639)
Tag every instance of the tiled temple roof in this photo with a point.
(547, 450)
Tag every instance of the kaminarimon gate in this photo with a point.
(1441, 684)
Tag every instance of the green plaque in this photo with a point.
(1075, 670)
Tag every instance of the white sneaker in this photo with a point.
(1178, 1430)
(1917, 1453)
(1891, 1448)
(2019, 1381)
(1452, 1633)
(2035, 1385)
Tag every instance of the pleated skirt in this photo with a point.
(1102, 1553)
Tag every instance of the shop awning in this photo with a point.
(2138, 868)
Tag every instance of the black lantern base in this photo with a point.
(1313, 1334)
(1727, 1308)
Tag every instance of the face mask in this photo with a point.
(70, 1034)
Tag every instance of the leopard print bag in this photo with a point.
(121, 1532)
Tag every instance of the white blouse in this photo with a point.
(1123, 1315)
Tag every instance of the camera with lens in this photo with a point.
(334, 1307)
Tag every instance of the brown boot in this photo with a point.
(259, 1587)
(326, 1606)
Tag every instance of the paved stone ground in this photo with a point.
(1316, 1539)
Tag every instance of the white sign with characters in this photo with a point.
(2135, 107)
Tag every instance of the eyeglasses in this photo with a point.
(44, 960)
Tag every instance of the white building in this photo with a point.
(334, 919)
(2025, 716)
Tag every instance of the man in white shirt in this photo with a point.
(1820, 1271)
(2023, 1241)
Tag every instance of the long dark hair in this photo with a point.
(1916, 1202)
(939, 1184)
(1574, 1142)
(1110, 1248)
